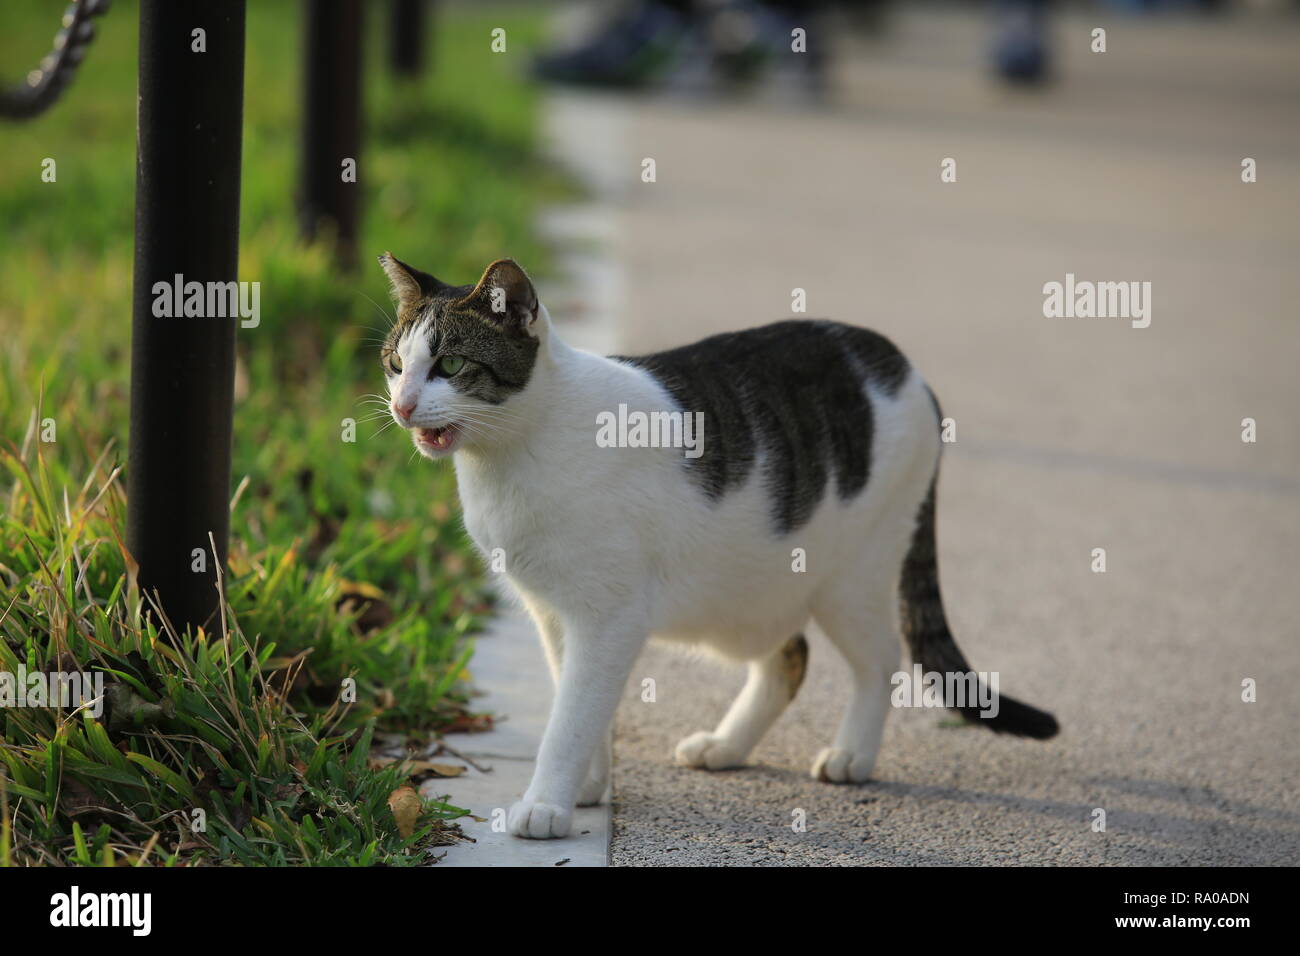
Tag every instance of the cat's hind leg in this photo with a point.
(770, 686)
(858, 614)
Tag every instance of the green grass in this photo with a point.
(347, 559)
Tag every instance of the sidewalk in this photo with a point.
(508, 662)
(1073, 434)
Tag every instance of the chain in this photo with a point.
(44, 84)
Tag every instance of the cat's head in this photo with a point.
(458, 354)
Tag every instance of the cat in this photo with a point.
(819, 439)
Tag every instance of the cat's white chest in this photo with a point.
(494, 510)
(510, 524)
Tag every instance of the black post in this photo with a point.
(182, 368)
(332, 122)
(406, 26)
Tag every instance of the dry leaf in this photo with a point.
(467, 723)
(128, 711)
(406, 806)
(367, 602)
(418, 768)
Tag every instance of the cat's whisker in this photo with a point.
(490, 409)
(392, 319)
(483, 414)
(475, 412)
(487, 418)
(472, 427)
(480, 427)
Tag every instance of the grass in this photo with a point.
(347, 559)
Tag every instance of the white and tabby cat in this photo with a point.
(816, 435)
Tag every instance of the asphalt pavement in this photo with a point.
(1072, 433)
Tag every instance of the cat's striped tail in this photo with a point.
(926, 628)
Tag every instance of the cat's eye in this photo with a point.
(449, 365)
(394, 364)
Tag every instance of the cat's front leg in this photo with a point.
(597, 659)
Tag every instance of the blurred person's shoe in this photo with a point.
(748, 39)
(634, 48)
(867, 18)
(1020, 51)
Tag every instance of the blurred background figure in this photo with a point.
(702, 44)
(1020, 49)
(690, 44)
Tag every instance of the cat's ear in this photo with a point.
(506, 296)
(409, 285)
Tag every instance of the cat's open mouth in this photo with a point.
(437, 439)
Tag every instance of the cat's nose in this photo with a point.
(404, 412)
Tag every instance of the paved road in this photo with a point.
(1073, 434)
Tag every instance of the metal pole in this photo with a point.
(332, 122)
(182, 368)
(406, 27)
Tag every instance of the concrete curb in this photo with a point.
(509, 667)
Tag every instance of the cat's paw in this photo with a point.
(707, 750)
(593, 791)
(534, 820)
(843, 766)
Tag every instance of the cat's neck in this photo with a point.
(558, 391)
